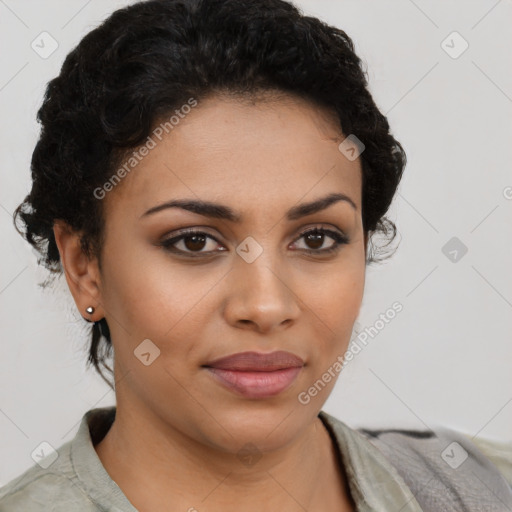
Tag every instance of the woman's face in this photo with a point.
(256, 284)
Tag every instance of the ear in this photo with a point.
(82, 273)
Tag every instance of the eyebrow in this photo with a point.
(219, 211)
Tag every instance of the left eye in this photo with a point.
(193, 241)
(317, 236)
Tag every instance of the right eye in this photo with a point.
(192, 242)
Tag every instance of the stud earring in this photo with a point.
(90, 310)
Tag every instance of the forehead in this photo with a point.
(249, 154)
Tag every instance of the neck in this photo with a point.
(160, 466)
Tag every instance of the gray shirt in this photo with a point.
(77, 480)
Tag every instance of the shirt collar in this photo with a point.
(373, 481)
(88, 467)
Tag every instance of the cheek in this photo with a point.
(333, 309)
(157, 299)
(333, 306)
(335, 293)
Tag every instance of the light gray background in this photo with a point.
(445, 359)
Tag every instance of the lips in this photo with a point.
(257, 361)
(256, 375)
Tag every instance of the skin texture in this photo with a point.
(177, 432)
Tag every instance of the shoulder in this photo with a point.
(34, 491)
(448, 446)
(43, 484)
(444, 462)
(499, 452)
(444, 469)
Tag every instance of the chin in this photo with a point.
(269, 425)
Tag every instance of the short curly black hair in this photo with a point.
(148, 59)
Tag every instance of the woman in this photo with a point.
(209, 177)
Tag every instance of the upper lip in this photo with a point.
(257, 361)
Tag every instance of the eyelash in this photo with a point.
(340, 239)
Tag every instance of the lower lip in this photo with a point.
(256, 384)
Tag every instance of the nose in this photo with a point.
(260, 296)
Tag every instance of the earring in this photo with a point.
(90, 310)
